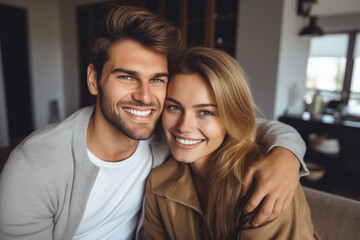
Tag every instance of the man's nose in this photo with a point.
(142, 93)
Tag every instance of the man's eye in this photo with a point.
(207, 113)
(157, 80)
(124, 77)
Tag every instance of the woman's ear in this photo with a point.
(92, 80)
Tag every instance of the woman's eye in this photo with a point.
(207, 113)
(173, 108)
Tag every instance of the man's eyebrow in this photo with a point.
(135, 73)
(195, 106)
(164, 74)
(121, 70)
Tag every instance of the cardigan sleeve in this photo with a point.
(272, 134)
(25, 207)
(294, 224)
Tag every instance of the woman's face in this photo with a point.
(191, 119)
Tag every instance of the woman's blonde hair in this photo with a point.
(238, 150)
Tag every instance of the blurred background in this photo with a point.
(302, 59)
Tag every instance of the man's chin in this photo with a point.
(140, 134)
(134, 130)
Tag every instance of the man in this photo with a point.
(84, 178)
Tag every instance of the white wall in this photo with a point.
(53, 59)
(291, 75)
(272, 53)
(257, 50)
(46, 71)
(336, 7)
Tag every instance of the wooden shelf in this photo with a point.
(202, 22)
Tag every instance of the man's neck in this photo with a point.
(106, 142)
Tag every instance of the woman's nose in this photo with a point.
(186, 123)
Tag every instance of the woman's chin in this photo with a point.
(183, 159)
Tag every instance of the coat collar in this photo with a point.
(173, 181)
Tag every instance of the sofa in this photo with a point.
(334, 217)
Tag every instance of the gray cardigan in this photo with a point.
(48, 178)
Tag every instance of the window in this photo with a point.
(354, 101)
(334, 69)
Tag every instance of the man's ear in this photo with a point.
(92, 80)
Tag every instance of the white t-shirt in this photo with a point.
(114, 205)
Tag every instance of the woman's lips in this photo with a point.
(187, 143)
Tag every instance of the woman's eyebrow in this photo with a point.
(173, 100)
(205, 105)
(195, 106)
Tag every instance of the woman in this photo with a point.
(209, 122)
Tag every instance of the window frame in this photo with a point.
(345, 93)
(346, 88)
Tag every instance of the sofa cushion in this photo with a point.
(334, 217)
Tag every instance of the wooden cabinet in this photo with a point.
(210, 23)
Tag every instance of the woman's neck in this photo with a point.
(200, 173)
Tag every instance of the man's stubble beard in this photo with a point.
(120, 124)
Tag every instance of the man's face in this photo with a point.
(132, 88)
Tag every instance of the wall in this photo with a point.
(70, 50)
(258, 43)
(336, 7)
(291, 74)
(46, 73)
(340, 22)
(53, 53)
(272, 53)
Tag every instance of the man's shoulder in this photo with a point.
(55, 131)
(54, 140)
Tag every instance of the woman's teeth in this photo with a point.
(187, 142)
(138, 113)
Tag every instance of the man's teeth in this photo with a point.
(138, 113)
(187, 142)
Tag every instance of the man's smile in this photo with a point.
(139, 113)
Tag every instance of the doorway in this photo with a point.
(15, 59)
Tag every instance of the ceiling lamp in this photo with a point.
(304, 9)
(312, 29)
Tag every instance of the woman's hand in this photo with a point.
(275, 179)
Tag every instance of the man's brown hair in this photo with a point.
(134, 23)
